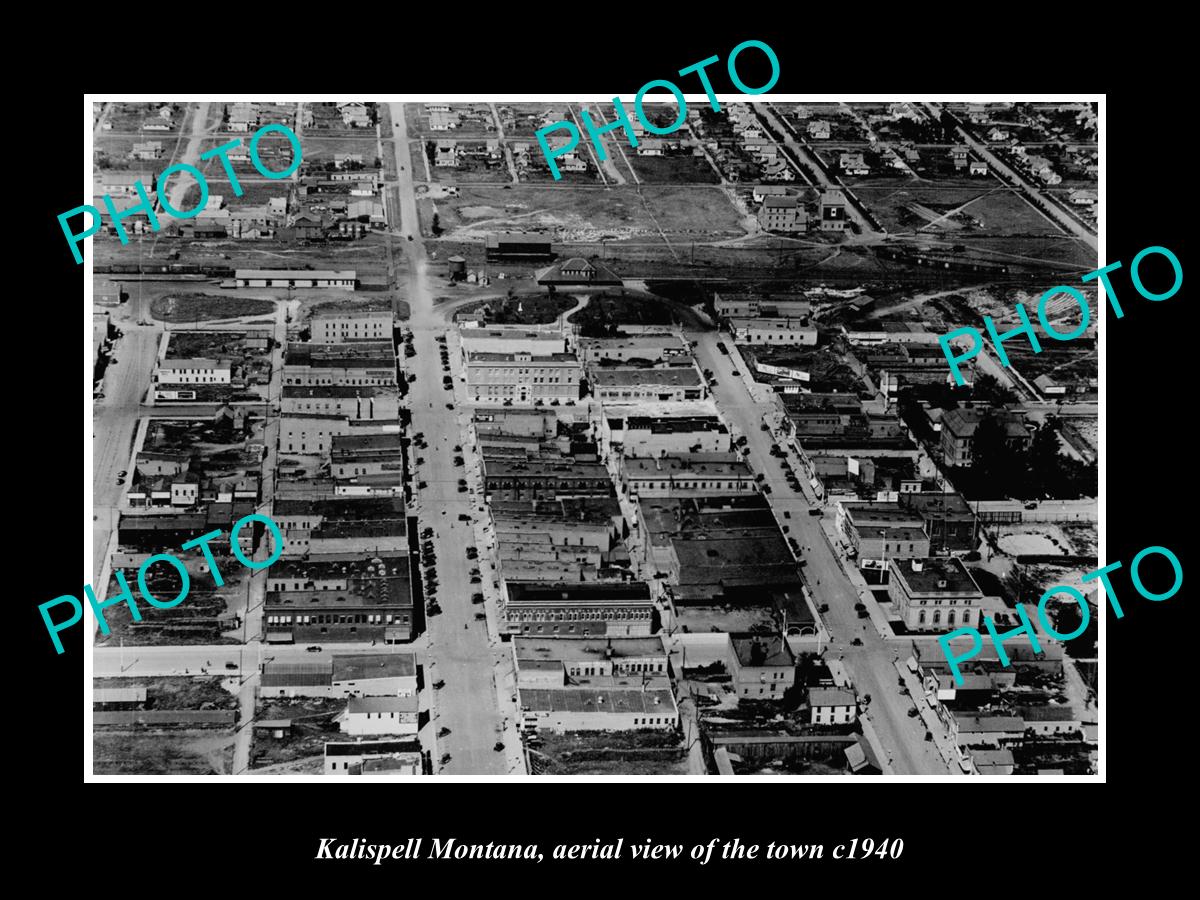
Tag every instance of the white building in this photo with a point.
(194, 371)
(832, 706)
(351, 325)
(379, 715)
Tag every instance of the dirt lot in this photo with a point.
(610, 753)
(207, 752)
(681, 169)
(953, 210)
(198, 307)
(312, 725)
(587, 213)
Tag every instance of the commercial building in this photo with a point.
(555, 662)
(295, 278)
(933, 594)
(787, 306)
(394, 757)
(379, 715)
(833, 211)
(194, 371)
(348, 675)
(522, 377)
(878, 532)
(543, 478)
(615, 386)
(352, 401)
(832, 706)
(652, 436)
(351, 325)
(687, 475)
(366, 454)
(775, 331)
(310, 433)
(598, 709)
(652, 348)
(578, 610)
(376, 609)
(511, 340)
(762, 666)
(515, 420)
(370, 363)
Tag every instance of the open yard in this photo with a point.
(176, 692)
(312, 725)
(610, 753)
(198, 307)
(953, 210)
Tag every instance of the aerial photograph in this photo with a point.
(473, 446)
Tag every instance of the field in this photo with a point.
(621, 212)
(970, 210)
(312, 725)
(194, 307)
(680, 169)
(610, 753)
(319, 149)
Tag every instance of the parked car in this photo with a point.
(464, 517)
(498, 746)
(859, 607)
(231, 665)
(313, 649)
(443, 731)
(477, 597)
(815, 511)
(913, 713)
(721, 346)
(120, 481)
(857, 642)
(480, 616)
(122, 473)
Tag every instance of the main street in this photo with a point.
(871, 665)
(458, 650)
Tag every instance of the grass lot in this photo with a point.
(194, 307)
(317, 148)
(171, 692)
(535, 308)
(672, 169)
(998, 211)
(612, 308)
(312, 726)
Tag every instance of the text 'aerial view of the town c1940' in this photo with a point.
(656, 468)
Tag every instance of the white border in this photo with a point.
(901, 97)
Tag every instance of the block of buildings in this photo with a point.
(616, 385)
(623, 708)
(687, 475)
(653, 348)
(556, 662)
(355, 402)
(365, 363)
(577, 610)
(773, 331)
(344, 675)
(959, 427)
(762, 666)
(194, 371)
(782, 214)
(511, 340)
(295, 278)
(654, 436)
(391, 757)
(353, 455)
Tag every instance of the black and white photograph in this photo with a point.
(730, 435)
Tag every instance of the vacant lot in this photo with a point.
(206, 307)
(312, 725)
(208, 752)
(320, 150)
(587, 213)
(680, 169)
(950, 210)
(610, 753)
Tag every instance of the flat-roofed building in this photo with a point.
(959, 427)
(295, 278)
(762, 665)
(194, 371)
(366, 454)
(370, 609)
(655, 348)
(774, 331)
(310, 433)
(543, 479)
(511, 340)
(624, 708)
(782, 214)
(577, 610)
(353, 401)
(553, 662)
(934, 593)
(522, 377)
(517, 245)
(370, 363)
(379, 715)
(687, 475)
(393, 757)
(652, 436)
(514, 421)
(616, 386)
(351, 325)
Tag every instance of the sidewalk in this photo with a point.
(945, 746)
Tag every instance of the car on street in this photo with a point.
(721, 346)
(231, 665)
(735, 373)
(120, 481)
(498, 746)
(814, 511)
(477, 597)
(464, 517)
(122, 473)
(857, 642)
(439, 684)
(480, 616)
(313, 649)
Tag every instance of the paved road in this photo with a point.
(190, 660)
(458, 647)
(871, 665)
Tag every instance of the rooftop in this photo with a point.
(585, 700)
(762, 650)
(684, 376)
(935, 575)
(358, 705)
(573, 649)
(831, 697)
(359, 667)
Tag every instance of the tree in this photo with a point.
(993, 462)
(1045, 462)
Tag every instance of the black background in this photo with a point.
(252, 837)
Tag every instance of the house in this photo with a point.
(194, 371)
(242, 117)
(446, 155)
(854, 164)
(379, 715)
(960, 155)
(934, 593)
(819, 130)
(762, 191)
(992, 762)
(762, 666)
(355, 115)
(1080, 197)
(832, 706)
(997, 134)
(1052, 720)
(978, 167)
(651, 147)
(147, 150)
